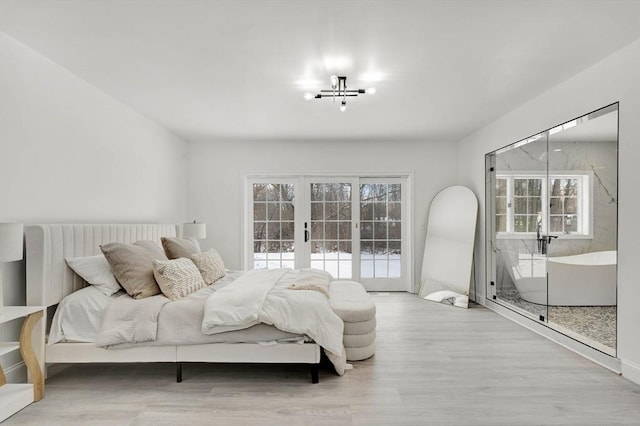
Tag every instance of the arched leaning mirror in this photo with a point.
(448, 252)
(551, 226)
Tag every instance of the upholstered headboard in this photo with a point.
(49, 279)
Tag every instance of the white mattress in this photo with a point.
(79, 317)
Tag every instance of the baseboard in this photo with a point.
(481, 301)
(17, 373)
(631, 371)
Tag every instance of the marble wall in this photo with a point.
(600, 158)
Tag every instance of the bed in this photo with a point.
(50, 280)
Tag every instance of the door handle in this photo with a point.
(306, 233)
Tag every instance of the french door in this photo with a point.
(352, 227)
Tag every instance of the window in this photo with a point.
(380, 233)
(563, 206)
(527, 204)
(501, 205)
(273, 225)
(519, 208)
(331, 224)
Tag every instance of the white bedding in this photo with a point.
(79, 319)
(265, 296)
(79, 316)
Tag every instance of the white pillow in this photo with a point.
(177, 278)
(210, 265)
(96, 271)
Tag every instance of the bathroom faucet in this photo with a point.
(543, 243)
(543, 240)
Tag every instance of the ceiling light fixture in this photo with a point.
(339, 89)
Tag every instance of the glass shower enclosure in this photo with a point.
(551, 209)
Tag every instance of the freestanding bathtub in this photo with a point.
(587, 279)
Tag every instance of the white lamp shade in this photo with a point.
(197, 230)
(11, 240)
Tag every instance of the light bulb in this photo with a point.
(308, 96)
(334, 81)
(371, 91)
(343, 106)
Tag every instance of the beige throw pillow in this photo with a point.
(176, 248)
(132, 265)
(210, 265)
(177, 278)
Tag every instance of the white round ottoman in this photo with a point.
(351, 302)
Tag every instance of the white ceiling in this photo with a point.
(236, 70)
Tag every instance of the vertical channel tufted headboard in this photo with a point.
(49, 279)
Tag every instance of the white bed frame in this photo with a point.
(49, 280)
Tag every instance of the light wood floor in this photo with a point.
(434, 365)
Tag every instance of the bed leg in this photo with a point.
(179, 372)
(314, 373)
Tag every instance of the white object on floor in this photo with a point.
(449, 297)
(354, 306)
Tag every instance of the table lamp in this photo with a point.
(194, 230)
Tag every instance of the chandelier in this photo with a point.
(339, 90)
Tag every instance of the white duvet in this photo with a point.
(264, 296)
(255, 297)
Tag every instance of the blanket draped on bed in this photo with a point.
(264, 296)
(257, 296)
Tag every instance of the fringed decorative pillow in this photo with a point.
(210, 265)
(177, 278)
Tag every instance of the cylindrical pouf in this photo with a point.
(360, 354)
(359, 340)
(363, 327)
(355, 307)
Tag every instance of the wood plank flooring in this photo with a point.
(434, 365)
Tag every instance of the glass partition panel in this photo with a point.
(552, 208)
(516, 192)
(583, 187)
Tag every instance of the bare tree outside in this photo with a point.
(273, 221)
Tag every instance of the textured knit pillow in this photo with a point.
(176, 248)
(210, 265)
(177, 278)
(132, 266)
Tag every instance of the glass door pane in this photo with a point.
(517, 231)
(380, 230)
(331, 226)
(583, 187)
(273, 209)
(383, 234)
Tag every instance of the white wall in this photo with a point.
(613, 79)
(70, 153)
(216, 170)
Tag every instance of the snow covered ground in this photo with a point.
(338, 264)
